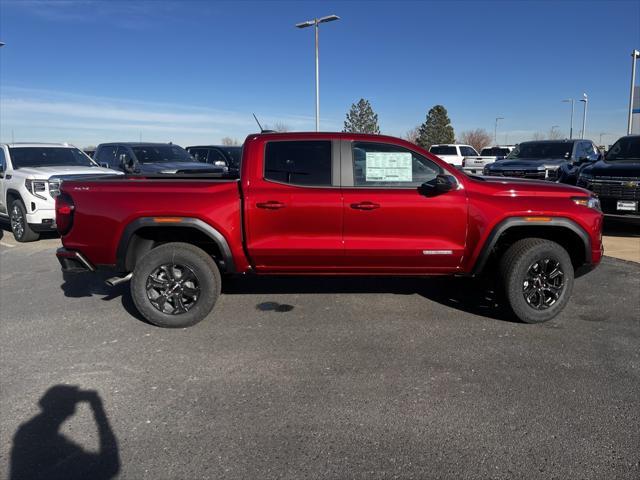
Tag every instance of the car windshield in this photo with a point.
(625, 149)
(441, 150)
(542, 150)
(34, 157)
(495, 152)
(161, 154)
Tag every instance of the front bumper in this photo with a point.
(73, 261)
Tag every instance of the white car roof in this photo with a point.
(451, 145)
(38, 144)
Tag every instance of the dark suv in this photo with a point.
(150, 158)
(616, 178)
(218, 155)
(554, 160)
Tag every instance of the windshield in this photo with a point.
(443, 150)
(495, 152)
(34, 157)
(161, 154)
(542, 150)
(625, 149)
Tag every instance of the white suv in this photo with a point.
(453, 154)
(30, 178)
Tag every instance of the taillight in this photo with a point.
(64, 213)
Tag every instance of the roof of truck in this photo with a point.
(38, 144)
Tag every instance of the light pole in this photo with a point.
(585, 99)
(315, 23)
(571, 121)
(495, 131)
(634, 55)
(601, 135)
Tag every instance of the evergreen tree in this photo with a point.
(436, 129)
(361, 119)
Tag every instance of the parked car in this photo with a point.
(554, 160)
(224, 156)
(150, 158)
(30, 178)
(616, 178)
(453, 154)
(328, 203)
(475, 165)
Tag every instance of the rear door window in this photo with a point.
(443, 150)
(468, 152)
(306, 162)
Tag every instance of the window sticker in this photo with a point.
(388, 167)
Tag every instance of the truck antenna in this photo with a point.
(260, 126)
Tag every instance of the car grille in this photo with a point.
(620, 188)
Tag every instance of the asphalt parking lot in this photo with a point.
(317, 378)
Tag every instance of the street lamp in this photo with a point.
(571, 121)
(495, 131)
(315, 23)
(585, 99)
(634, 55)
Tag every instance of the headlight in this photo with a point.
(36, 187)
(591, 202)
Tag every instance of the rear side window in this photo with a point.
(468, 152)
(299, 162)
(200, 154)
(443, 150)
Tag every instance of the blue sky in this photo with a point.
(193, 72)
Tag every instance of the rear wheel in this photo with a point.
(538, 279)
(175, 285)
(22, 232)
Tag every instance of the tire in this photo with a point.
(22, 232)
(537, 275)
(187, 276)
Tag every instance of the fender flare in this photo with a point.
(184, 222)
(508, 223)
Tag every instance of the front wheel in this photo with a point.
(538, 279)
(22, 232)
(175, 285)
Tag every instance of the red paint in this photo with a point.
(351, 230)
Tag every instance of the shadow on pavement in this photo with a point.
(614, 227)
(41, 451)
(476, 296)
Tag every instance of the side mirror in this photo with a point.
(104, 164)
(441, 184)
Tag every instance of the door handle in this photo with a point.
(365, 206)
(270, 205)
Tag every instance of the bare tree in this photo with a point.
(229, 142)
(278, 127)
(478, 138)
(412, 135)
(537, 136)
(555, 134)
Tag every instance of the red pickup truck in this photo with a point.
(328, 204)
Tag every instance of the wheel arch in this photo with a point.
(143, 234)
(13, 194)
(564, 231)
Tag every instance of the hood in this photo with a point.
(613, 169)
(47, 172)
(539, 188)
(173, 167)
(526, 164)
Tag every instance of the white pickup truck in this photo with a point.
(453, 154)
(475, 165)
(30, 178)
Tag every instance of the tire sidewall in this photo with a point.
(28, 235)
(516, 275)
(197, 260)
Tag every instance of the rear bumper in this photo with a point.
(73, 261)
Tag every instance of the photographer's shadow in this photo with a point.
(41, 451)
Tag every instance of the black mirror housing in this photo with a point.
(441, 184)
